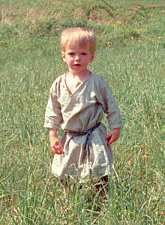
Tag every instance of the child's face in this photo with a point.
(77, 58)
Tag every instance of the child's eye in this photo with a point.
(71, 53)
(83, 53)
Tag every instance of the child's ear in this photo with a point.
(93, 56)
(63, 56)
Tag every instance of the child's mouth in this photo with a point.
(77, 65)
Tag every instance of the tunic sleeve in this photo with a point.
(53, 116)
(109, 104)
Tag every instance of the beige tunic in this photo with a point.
(78, 112)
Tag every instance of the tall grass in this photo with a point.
(134, 67)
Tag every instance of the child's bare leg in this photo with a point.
(102, 187)
(64, 183)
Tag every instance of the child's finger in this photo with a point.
(57, 146)
(57, 149)
(113, 138)
(59, 152)
(108, 137)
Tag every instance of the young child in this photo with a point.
(78, 99)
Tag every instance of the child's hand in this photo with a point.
(113, 135)
(57, 148)
(55, 143)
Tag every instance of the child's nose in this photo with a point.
(77, 57)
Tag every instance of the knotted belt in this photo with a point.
(88, 139)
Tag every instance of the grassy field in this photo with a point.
(130, 55)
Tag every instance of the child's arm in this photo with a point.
(112, 111)
(53, 119)
(55, 144)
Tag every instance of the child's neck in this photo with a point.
(79, 76)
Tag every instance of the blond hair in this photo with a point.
(78, 36)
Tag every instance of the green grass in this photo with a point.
(130, 55)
